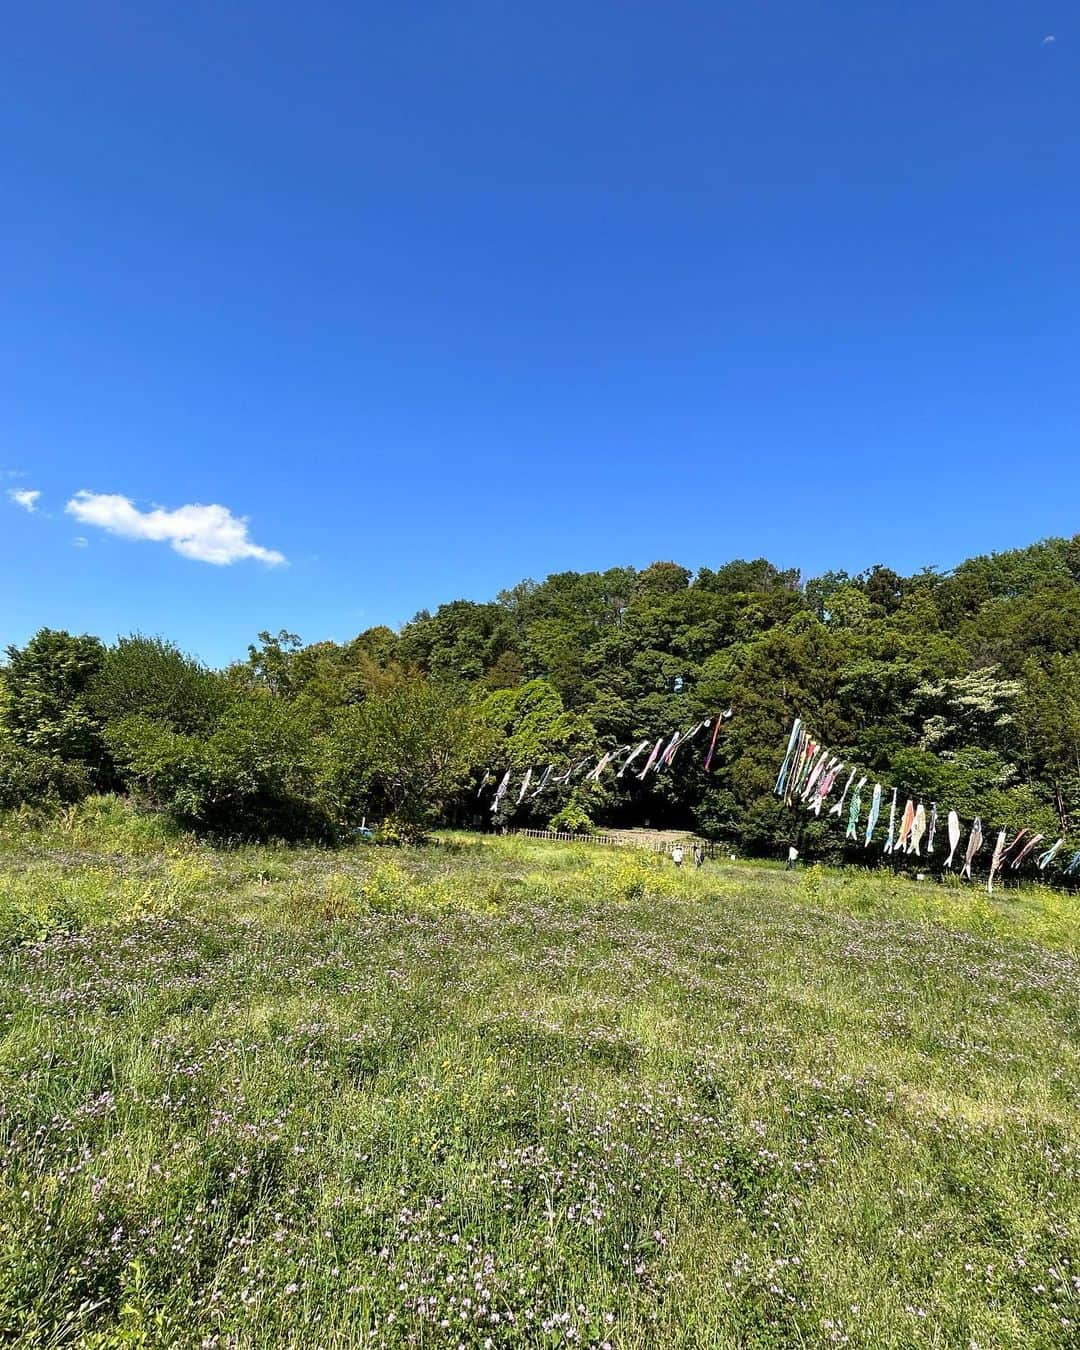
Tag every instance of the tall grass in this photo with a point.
(510, 1093)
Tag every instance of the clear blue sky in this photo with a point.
(440, 296)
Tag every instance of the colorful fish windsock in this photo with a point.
(805, 748)
(906, 822)
(890, 842)
(995, 861)
(597, 767)
(1029, 847)
(573, 768)
(816, 770)
(838, 808)
(826, 786)
(682, 739)
(918, 829)
(975, 842)
(1010, 852)
(933, 829)
(651, 760)
(813, 787)
(796, 758)
(954, 837)
(695, 730)
(593, 775)
(543, 781)
(669, 749)
(809, 755)
(854, 811)
(500, 793)
(875, 811)
(723, 717)
(637, 750)
(782, 776)
(1045, 859)
(622, 750)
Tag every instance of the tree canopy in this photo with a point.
(964, 686)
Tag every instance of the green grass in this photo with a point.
(510, 1093)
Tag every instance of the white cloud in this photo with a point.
(210, 534)
(1049, 38)
(25, 497)
(79, 542)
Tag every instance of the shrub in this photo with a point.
(403, 754)
(153, 677)
(255, 777)
(28, 778)
(395, 832)
(572, 820)
(47, 709)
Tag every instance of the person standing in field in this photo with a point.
(792, 854)
(699, 855)
(677, 855)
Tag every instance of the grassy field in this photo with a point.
(498, 1093)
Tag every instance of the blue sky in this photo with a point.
(440, 296)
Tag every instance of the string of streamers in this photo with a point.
(809, 771)
(661, 756)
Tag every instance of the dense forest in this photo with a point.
(963, 687)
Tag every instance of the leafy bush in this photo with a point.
(572, 820)
(402, 755)
(33, 779)
(395, 833)
(254, 777)
(47, 708)
(151, 677)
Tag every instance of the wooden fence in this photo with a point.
(616, 841)
(565, 837)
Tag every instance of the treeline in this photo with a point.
(965, 688)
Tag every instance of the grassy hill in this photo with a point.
(503, 1092)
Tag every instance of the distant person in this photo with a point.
(792, 856)
(677, 855)
(699, 855)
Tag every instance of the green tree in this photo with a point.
(271, 662)
(404, 754)
(535, 727)
(152, 677)
(49, 709)
(1050, 728)
(461, 641)
(256, 776)
(759, 576)
(975, 708)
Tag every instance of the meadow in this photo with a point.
(496, 1092)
